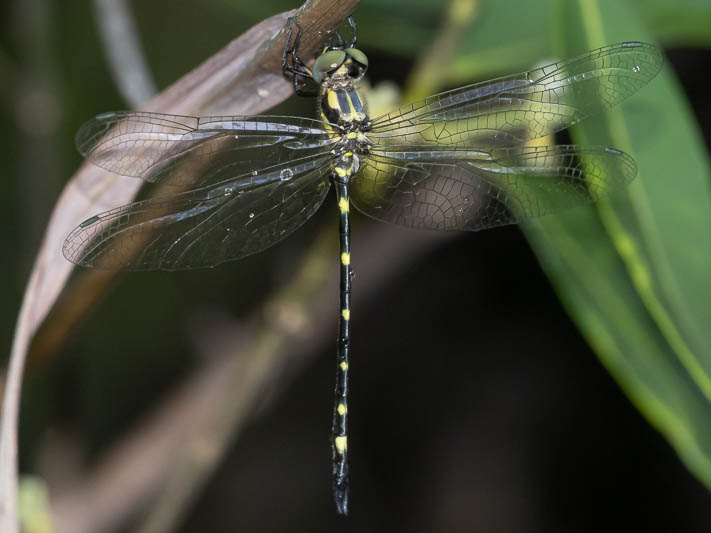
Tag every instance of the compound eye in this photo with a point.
(358, 64)
(358, 56)
(327, 63)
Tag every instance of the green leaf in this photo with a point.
(678, 22)
(633, 272)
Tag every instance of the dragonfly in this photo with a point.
(458, 160)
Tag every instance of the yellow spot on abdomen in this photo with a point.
(345, 258)
(344, 366)
(343, 205)
(342, 409)
(346, 314)
(341, 444)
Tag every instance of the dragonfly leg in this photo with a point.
(296, 67)
(352, 24)
(341, 43)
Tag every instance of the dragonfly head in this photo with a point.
(332, 62)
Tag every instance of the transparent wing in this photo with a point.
(206, 226)
(196, 151)
(470, 190)
(511, 110)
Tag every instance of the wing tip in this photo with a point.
(93, 130)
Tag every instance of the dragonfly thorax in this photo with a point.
(337, 71)
(340, 103)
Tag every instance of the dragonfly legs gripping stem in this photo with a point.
(297, 67)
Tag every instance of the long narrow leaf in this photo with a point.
(633, 272)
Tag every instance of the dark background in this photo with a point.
(476, 405)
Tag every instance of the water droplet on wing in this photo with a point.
(286, 174)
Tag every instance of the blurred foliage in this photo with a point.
(630, 272)
(34, 508)
(645, 306)
(633, 272)
(683, 23)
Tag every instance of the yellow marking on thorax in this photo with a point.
(341, 444)
(332, 99)
(329, 127)
(345, 258)
(342, 409)
(348, 114)
(346, 314)
(343, 205)
(341, 172)
(344, 366)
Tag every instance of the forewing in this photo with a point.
(196, 151)
(511, 110)
(206, 226)
(469, 190)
